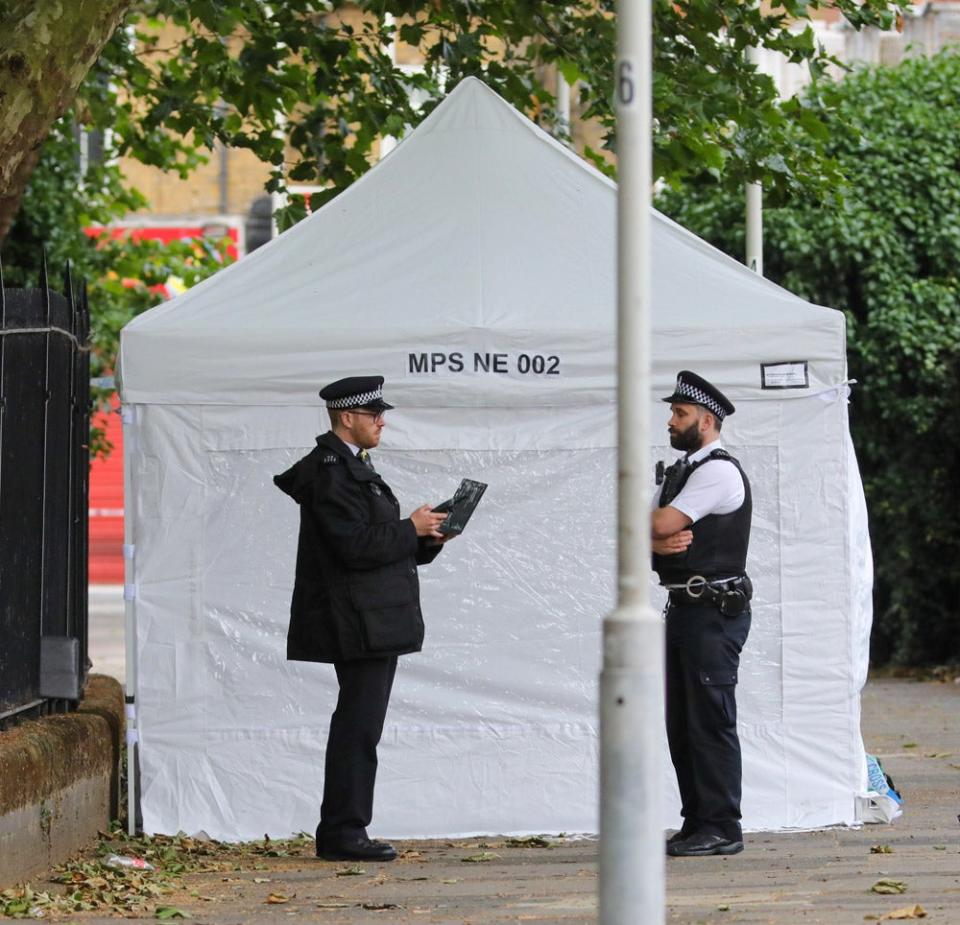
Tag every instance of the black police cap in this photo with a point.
(355, 392)
(692, 389)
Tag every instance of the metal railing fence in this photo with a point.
(44, 487)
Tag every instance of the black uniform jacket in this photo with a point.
(356, 593)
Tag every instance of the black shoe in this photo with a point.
(354, 848)
(703, 844)
(679, 835)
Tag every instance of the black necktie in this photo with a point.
(364, 457)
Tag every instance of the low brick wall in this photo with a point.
(59, 782)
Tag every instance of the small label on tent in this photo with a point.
(790, 375)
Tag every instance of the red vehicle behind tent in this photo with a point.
(106, 506)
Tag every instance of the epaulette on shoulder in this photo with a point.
(719, 453)
(329, 459)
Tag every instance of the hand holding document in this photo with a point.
(461, 506)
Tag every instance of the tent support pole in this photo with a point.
(631, 681)
(130, 623)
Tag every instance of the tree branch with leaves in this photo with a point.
(313, 79)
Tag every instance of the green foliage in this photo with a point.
(59, 203)
(307, 77)
(889, 257)
(124, 275)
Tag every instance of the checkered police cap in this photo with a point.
(692, 389)
(355, 392)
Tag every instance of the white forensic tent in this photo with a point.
(474, 268)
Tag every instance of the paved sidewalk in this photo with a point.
(820, 877)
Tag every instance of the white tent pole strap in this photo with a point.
(631, 682)
(129, 418)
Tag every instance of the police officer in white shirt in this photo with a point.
(700, 526)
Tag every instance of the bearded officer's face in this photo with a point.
(684, 427)
(363, 427)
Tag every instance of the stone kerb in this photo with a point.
(59, 782)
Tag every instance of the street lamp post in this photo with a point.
(631, 682)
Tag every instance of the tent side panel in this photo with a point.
(824, 755)
(513, 609)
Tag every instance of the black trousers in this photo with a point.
(702, 658)
(351, 759)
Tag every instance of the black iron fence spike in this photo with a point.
(71, 301)
(85, 308)
(45, 283)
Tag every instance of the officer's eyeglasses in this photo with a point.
(376, 415)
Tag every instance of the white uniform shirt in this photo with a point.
(716, 487)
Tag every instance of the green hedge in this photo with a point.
(888, 255)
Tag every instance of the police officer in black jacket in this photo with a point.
(700, 531)
(356, 600)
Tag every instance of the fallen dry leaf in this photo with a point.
(907, 912)
(480, 858)
(889, 886)
(276, 899)
(529, 841)
(881, 849)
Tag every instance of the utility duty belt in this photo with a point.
(730, 595)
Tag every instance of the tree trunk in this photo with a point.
(46, 49)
